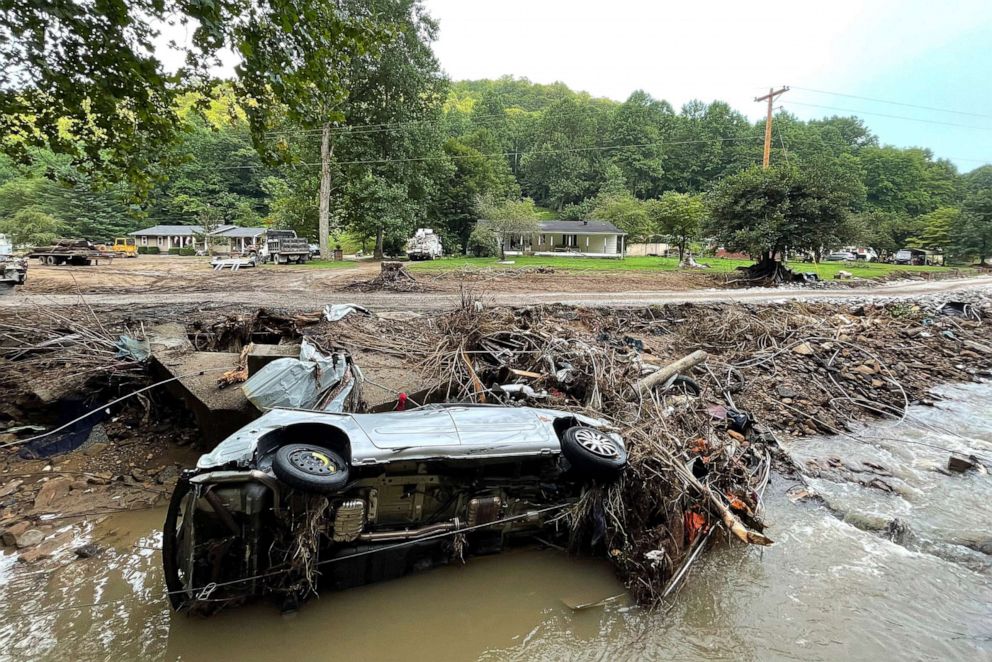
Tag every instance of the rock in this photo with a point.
(6, 438)
(10, 488)
(52, 492)
(29, 538)
(865, 369)
(803, 349)
(48, 548)
(12, 532)
(88, 551)
(167, 475)
(78, 485)
(959, 464)
(785, 391)
(877, 383)
(99, 478)
(139, 474)
(92, 450)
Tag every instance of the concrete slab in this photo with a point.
(262, 355)
(218, 412)
(168, 337)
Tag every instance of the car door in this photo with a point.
(417, 428)
(503, 430)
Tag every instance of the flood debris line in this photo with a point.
(393, 277)
(698, 393)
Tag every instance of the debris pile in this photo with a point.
(393, 277)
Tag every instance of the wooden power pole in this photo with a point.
(770, 97)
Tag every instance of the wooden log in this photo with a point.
(670, 370)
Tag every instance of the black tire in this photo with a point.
(592, 453)
(686, 385)
(310, 468)
(170, 546)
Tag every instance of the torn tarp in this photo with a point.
(128, 347)
(302, 383)
(335, 311)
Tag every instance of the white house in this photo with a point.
(569, 238)
(241, 238)
(186, 236)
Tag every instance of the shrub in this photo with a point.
(187, 251)
(149, 250)
(483, 243)
(174, 251)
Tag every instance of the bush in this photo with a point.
(174, 251)
(483, 243)
(187, 251)
(149, 250)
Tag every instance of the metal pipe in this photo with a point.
(411, 534)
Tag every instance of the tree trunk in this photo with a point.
(377, 253)
(681, 251)
(324, 223)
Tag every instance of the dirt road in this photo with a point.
(312, 289)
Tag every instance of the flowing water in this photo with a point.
(861, 574)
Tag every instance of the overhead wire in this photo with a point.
(565, 150)
(890, 102)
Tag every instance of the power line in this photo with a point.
(893, 103)
(896, 117)
(513, 153)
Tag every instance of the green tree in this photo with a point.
(30, 226)
(83, 78)
(937, 227)
(972, 231)
(678, 215)
(507, 217)
(765, 212)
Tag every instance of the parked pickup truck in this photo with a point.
(283, 247)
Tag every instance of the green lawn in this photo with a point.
(825, 270)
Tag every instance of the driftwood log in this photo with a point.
(663, 375)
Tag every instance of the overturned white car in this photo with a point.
(303, 499)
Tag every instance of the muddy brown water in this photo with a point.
(832, 587)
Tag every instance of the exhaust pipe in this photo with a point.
(412, 534)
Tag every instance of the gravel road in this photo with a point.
(318, 297)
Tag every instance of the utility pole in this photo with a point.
(770, 97)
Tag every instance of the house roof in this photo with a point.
(240, 232)
(177, 230)
(575, 227)
(580, 227)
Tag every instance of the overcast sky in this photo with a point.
(911, 51)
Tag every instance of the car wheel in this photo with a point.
(593, 453)
(310, 468)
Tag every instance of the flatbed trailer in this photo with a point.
(75, 252)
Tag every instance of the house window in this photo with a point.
(571, 240)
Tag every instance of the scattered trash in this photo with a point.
(337, 311)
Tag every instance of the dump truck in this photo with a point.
(77, 252)
(424, 245)
(283, 247)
